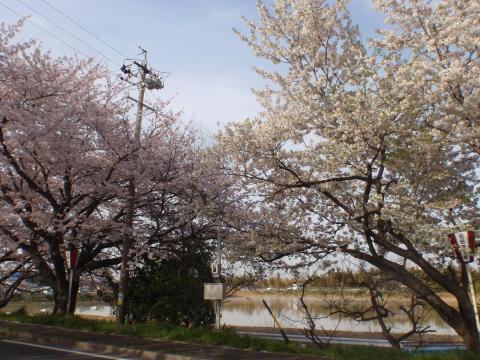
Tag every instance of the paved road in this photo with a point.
(15, 350)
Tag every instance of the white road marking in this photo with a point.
(64, 350)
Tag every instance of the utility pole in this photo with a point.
(150, 80)
(218, 279)
(72, 256)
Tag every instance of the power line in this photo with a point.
(44, 30)
(110, 26)
(69, 33)
(21, 16)
(84, 29)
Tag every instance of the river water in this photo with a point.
(250, 311)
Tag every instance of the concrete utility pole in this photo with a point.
(218, 279)
(72, 256)
(149, 80)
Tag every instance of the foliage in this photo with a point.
(66, 159)
(63, 147)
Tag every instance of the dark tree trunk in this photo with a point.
(469, 332)
(60, 301)
(471, 340)
(60, 288)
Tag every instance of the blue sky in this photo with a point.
(211, 69)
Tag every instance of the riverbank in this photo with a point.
(247, 310)
(230, 338)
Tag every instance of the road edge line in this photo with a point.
(90, 346)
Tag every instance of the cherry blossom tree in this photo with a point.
(180, 198)
(15, 269)
(67, 156)
(438, 44)
(369, 151)
(63, 142)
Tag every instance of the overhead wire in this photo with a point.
(76, 50)
(106, 23)
(44, 30)
(69, 33)
(84, 28)
(22, 16)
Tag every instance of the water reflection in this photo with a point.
(249, 311)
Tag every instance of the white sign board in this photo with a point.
(214, 291)
(463, 244)
(67, 256)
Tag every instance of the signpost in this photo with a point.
(216, 291)
(463, 244)
(213, 291)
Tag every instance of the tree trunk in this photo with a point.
(59, 278)
(470, 338)
(60, 301)
(468, 331)
(462, 321)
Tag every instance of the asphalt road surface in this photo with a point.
(16, 350)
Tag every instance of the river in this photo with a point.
(248, 310)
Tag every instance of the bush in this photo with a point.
(170, 290)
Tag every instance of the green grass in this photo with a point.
(231, 339)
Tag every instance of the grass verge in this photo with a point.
(230, 339)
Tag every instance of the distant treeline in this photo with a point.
(346, 279)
